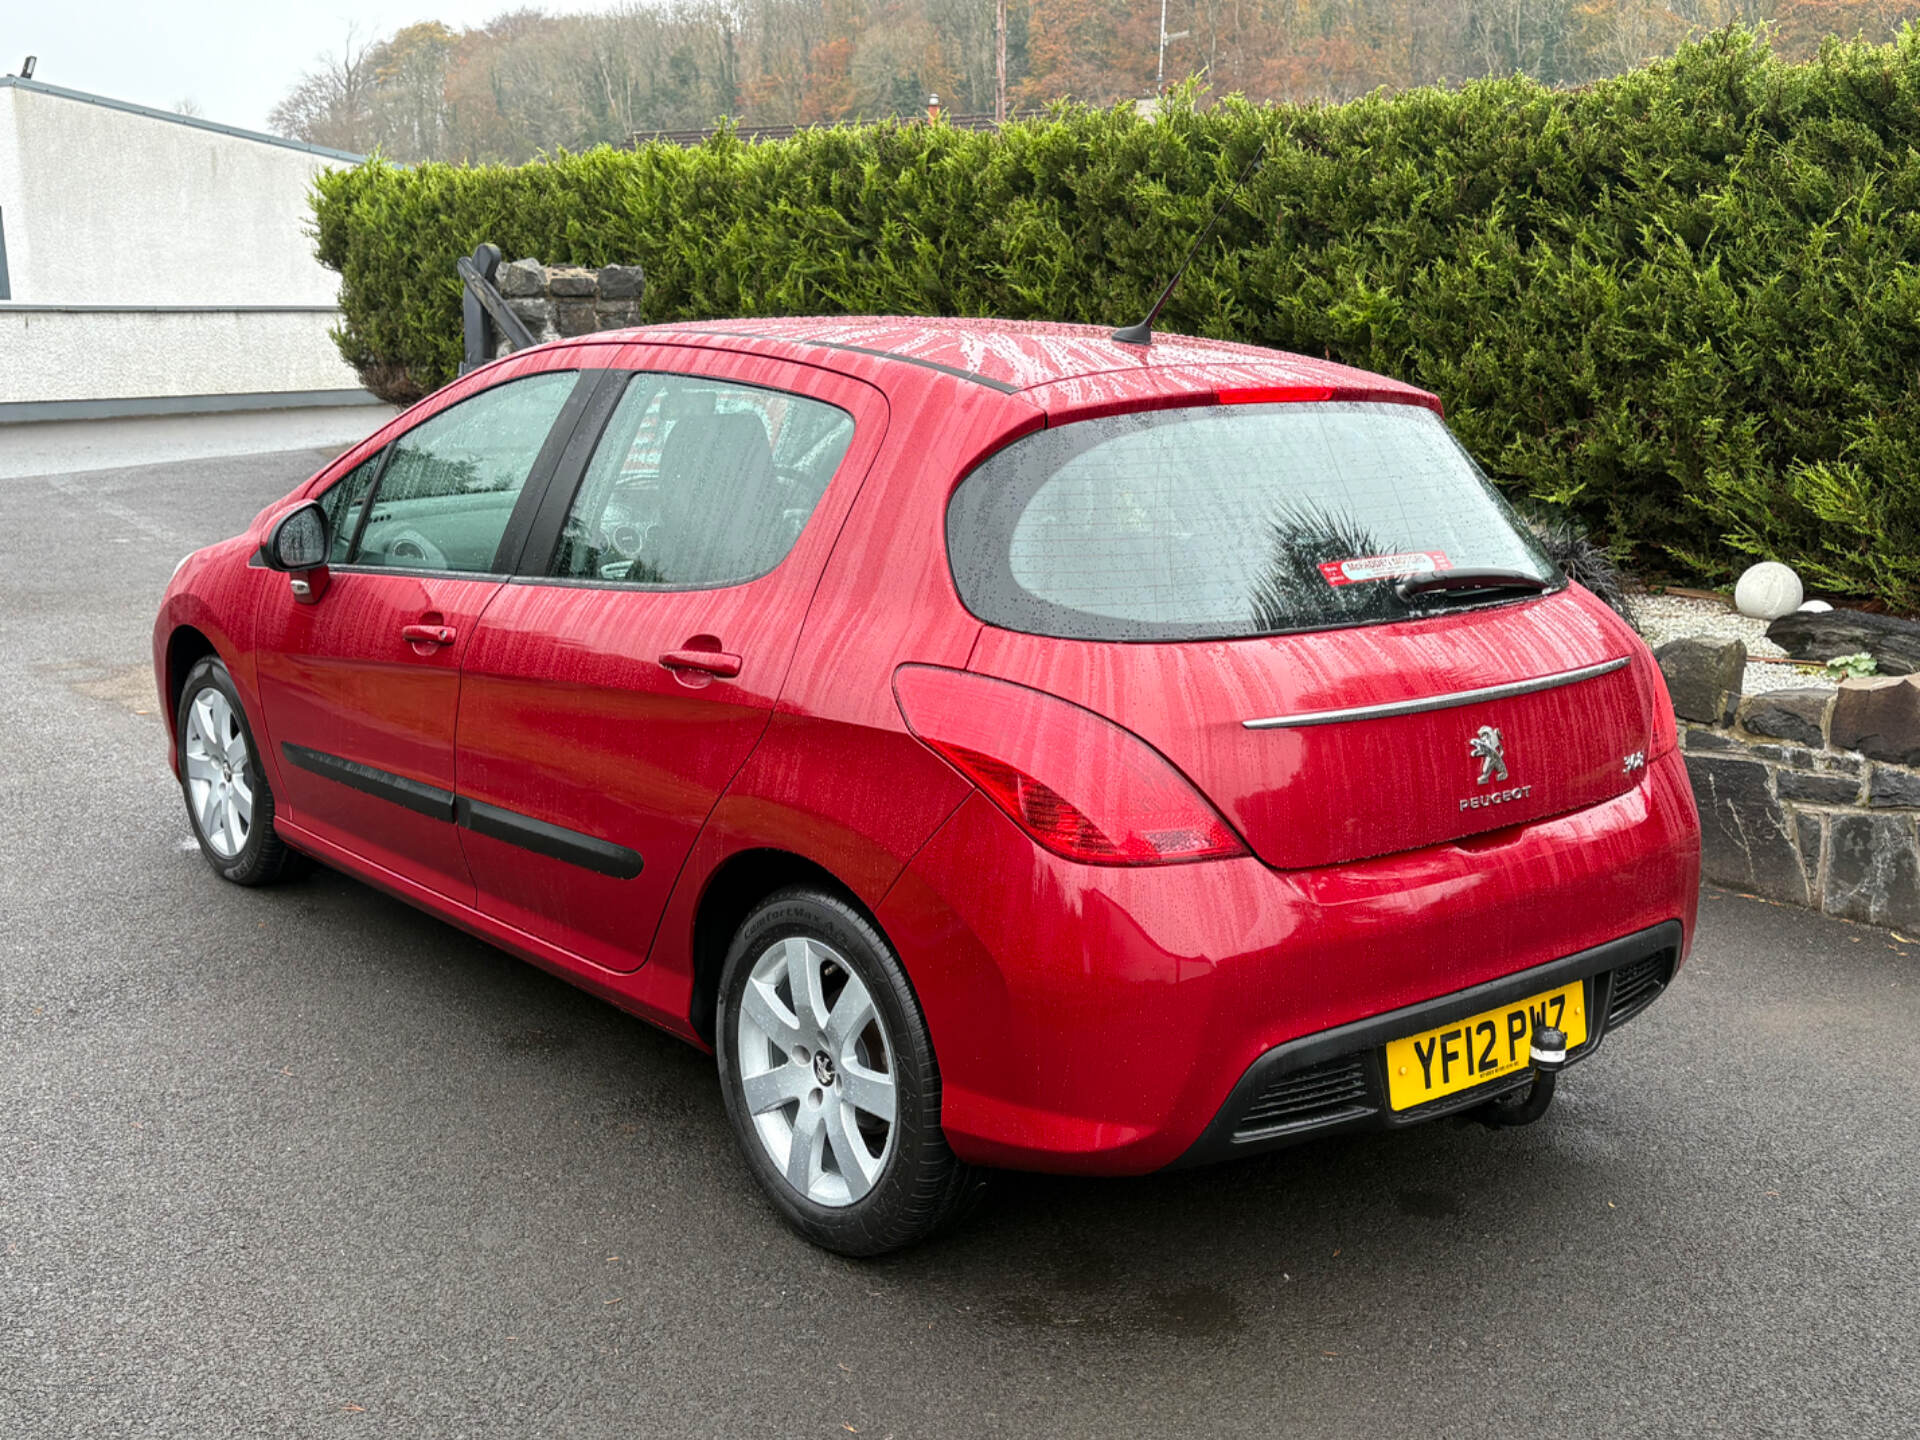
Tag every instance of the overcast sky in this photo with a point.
(233, 58)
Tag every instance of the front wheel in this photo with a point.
(228, 799)
(829, 1079)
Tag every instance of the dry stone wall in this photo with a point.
(560, 301)
(1806, 796)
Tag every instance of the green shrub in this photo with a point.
(1682, 304)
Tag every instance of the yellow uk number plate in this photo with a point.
(1481, 1047)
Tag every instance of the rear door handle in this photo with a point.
(710, 662)
(427, 634)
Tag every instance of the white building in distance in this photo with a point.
(154, 264)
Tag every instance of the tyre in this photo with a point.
(228, 798)
(829, 1079)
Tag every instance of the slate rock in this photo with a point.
(570, 282)
(1891, 788)
(1704, 677)
(619, 315)
(1821, 635)
(1798, 714)
(1693, 737)
(621, 282)
(1812, 835)
(1747, 839)
(1878, 717)
(577, 317)
(521, 279)
(538, 317)
(1817, 789)
(1873, 870)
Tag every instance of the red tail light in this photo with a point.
(1078, 785)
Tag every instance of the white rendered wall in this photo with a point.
(95, 355)
(9, 182)
(64, 447)
(104, 206)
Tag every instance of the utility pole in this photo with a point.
(1160, 70)
(1000, 60)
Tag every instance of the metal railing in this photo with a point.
(485, 316)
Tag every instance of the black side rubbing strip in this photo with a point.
(556, 842)
(602, 857)
(415, 795)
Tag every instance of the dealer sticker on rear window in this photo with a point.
(1384, 567)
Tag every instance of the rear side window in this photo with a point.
(1223, 521)
(700, 483)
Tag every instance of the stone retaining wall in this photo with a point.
(566, 300)
(1808, 796)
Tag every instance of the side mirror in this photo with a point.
(297, 545)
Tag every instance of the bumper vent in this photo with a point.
(1635, 986)
(1315, 1095)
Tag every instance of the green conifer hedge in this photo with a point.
(1683, 303)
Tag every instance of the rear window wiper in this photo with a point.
(1446, 582)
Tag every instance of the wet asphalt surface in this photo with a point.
(306, 1162)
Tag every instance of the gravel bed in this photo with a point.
(1672, 617)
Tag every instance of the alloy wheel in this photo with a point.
(817, 1071)
(219, 773)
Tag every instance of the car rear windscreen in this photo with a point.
(1225, 521)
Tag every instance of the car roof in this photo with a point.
(1016, 355)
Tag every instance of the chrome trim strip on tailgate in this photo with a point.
(1437, 702)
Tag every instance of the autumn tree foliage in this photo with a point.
(529, 82)
(1678, 303)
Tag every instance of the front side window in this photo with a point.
(343, 501)
(451, 482)
(1224, 521)
(700, 483)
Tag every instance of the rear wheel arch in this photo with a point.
(736, 886)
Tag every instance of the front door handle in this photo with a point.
(708, 662)
(427, 634)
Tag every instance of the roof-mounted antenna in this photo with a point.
(1142, 334)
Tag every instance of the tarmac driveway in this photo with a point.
(305, 1162)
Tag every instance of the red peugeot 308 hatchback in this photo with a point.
(1001, 744)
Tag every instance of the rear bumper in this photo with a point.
(1110, 1020)
(1335, 1081)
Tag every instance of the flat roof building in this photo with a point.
(156, 264)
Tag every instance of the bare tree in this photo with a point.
(530, 81)
(331, 104)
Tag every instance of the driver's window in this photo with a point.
(698, 483)
(450, 486)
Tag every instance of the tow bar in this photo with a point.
(1549, 1055)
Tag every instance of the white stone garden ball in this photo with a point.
(1767, 591)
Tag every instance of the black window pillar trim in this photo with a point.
(588, 383)
(540, 539)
